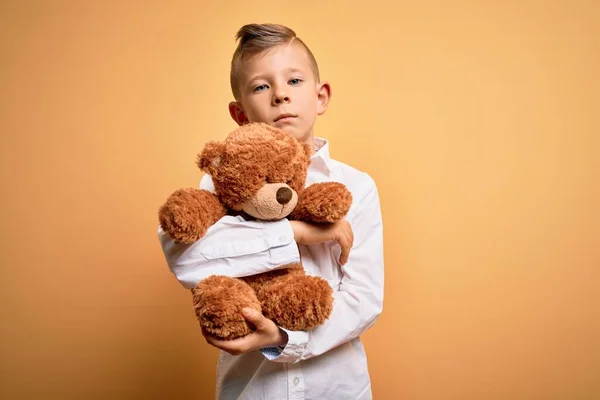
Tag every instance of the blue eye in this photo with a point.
(260, 88)
(295, 81)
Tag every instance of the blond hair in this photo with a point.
(257, 38)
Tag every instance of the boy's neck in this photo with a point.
(310, 140)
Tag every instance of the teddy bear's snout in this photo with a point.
(284, 195)
(272, 201)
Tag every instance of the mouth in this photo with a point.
(285, 117)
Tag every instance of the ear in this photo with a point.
(323, 97)
(237, 113)
(209, 160)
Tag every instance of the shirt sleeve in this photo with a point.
(358, 301)
(231, 247)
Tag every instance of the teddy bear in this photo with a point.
(259, 172)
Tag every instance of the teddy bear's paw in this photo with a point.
(323, 202)
(299, 302)
(218, 303)
(188, 213)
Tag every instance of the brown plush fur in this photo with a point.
(254, 157)
(188, 213)
(251, 156)
(294, 300)
(323, 202)
(218, 302)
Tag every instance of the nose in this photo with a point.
(279, 96)
(284, 195)
(282, 99)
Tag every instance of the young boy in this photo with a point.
(275, 79)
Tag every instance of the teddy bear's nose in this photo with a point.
(284, 195)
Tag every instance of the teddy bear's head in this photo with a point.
(257, 169)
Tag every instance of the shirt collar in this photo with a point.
(321, 156)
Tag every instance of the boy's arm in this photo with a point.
(232, 247)
(358, 300)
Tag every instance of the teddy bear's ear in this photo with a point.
(209, 160)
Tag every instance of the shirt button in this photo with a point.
(296, 381)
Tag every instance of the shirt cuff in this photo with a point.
(293, 350)
(271, 353)
(284, 248)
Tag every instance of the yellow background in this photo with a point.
(478, 120)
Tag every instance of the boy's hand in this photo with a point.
(340, 231)
(267, 334)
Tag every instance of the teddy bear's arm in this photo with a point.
(188, 213)
(323, 202)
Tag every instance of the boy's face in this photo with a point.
(278, 87)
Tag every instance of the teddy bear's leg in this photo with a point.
(261, 281)
(323, 202)
(218, 303)
(294, 300)
(188, 213)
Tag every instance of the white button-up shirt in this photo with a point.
(328, 362)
